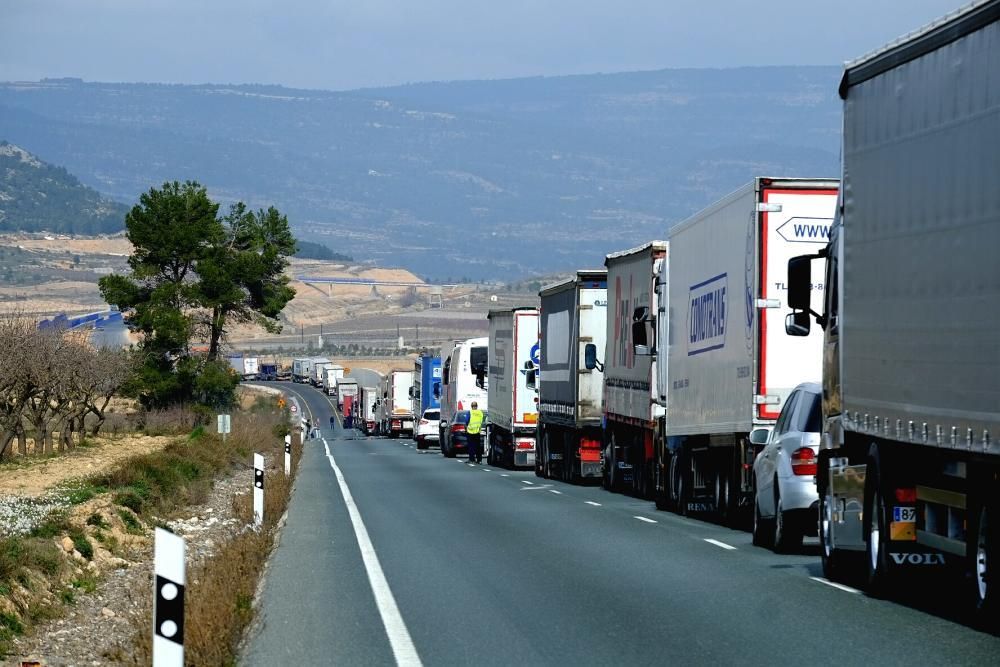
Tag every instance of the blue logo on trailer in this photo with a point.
(707, 315)
(536, 354)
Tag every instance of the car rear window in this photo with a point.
(432, 414)
(810, 413)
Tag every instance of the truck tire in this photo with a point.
(661, 487)
(538, 453)
(878, 564)
(984, 555)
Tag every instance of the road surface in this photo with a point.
(432, 561)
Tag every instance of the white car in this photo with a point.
(427, 428)
(786, 503)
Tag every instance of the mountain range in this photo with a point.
(488, 179)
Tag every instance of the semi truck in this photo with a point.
(512, 405)
(302, 370)
(573, 325)
(268, 370)
(316, 375)
(331, 374)
(426, 384)
(367, 403)
(724, 364)
(346, 387)
(463, 381)
(632, 416)
(908, 472)
(396, 411)
(248, 368)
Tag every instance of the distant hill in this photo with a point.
(489, 179)
(39, 197)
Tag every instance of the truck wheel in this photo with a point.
(878, 565)
(661, 489)
(830, 557)
(787, 534)
(984, 557)
(539, 448)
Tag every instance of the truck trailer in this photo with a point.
(632, 416)
(397, 412)
(346, 387)
(724, 364)
(426, 392)
(511, 403)
(573, 325)
(909, 467)
(331, 374)
(302, 370)
(367, 404)
(316, 375)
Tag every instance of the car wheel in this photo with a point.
(787, 536)
(762, 530)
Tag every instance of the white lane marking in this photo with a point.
(558, 493)
(642, 518)
(503, 474)
(842, 587)
(471, 465)
(717, 543)
(399, 637)
(591, 502)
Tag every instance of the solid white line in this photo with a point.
(524, 481)
(720, 544)
(399, 637)
(558, 493)
(591, 502)
(642, 518)
(842, 587)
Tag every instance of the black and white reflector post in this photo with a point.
(288, 455)
(258, 490)
(168, 596)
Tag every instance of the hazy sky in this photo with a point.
(342, 44)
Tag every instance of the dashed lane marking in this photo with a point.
(717, 543)
(646, 519)
(834, 584)
(524, 481)
(503, 474)
(558, 493)
(591, 502)
(400, 641)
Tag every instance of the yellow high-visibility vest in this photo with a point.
(475, 422)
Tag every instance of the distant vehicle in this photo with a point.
(573, 325)
(268, 371)
(458, 440)
(513, 350)
(302, 369)
(784, 473)
(909, 469)
(316, 372)
(426, 392)
(331, 374)
(367, 401)
(251, 368)
(346, 387)
(427, 428)
(463, 380)
(396, 411)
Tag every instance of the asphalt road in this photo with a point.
(479, 565)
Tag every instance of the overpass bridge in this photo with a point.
(315, 281)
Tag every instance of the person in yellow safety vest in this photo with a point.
(474, 431)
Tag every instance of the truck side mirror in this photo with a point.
(590, 361)
(531, 379)
(797, 323)
(799, 282)
(411, 393)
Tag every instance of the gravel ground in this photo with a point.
(101, 624)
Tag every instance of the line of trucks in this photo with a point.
(662, 373)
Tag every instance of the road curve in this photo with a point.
(490, 566)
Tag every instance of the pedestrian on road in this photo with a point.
(333, 422)
(474, 431)
(349, 419)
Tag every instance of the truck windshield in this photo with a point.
(477, 358)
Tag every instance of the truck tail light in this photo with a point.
(525, 444)
(906, 496)
(460, 405)
(804, 461)
(588, 443)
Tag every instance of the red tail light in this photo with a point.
(586, 443)
(906, 495)
(460, 405)
(458, 428)
(804, 461)
(525, 444)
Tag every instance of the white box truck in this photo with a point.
(368, 404)
(396, 411)
(909, 468)
(302, 370)
(331, 373)
(316, 376)
(464, 366)
(251, 368)
(725, 365)
(573, 325)
(347, 390)
(632, 416)
(512, 405)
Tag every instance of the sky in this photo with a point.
(345, 44)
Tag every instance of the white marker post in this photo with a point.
(288, 455)
(224, 424)
(168, 599)
(258, 490)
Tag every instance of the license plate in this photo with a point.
(904, 514)
(407, 424)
